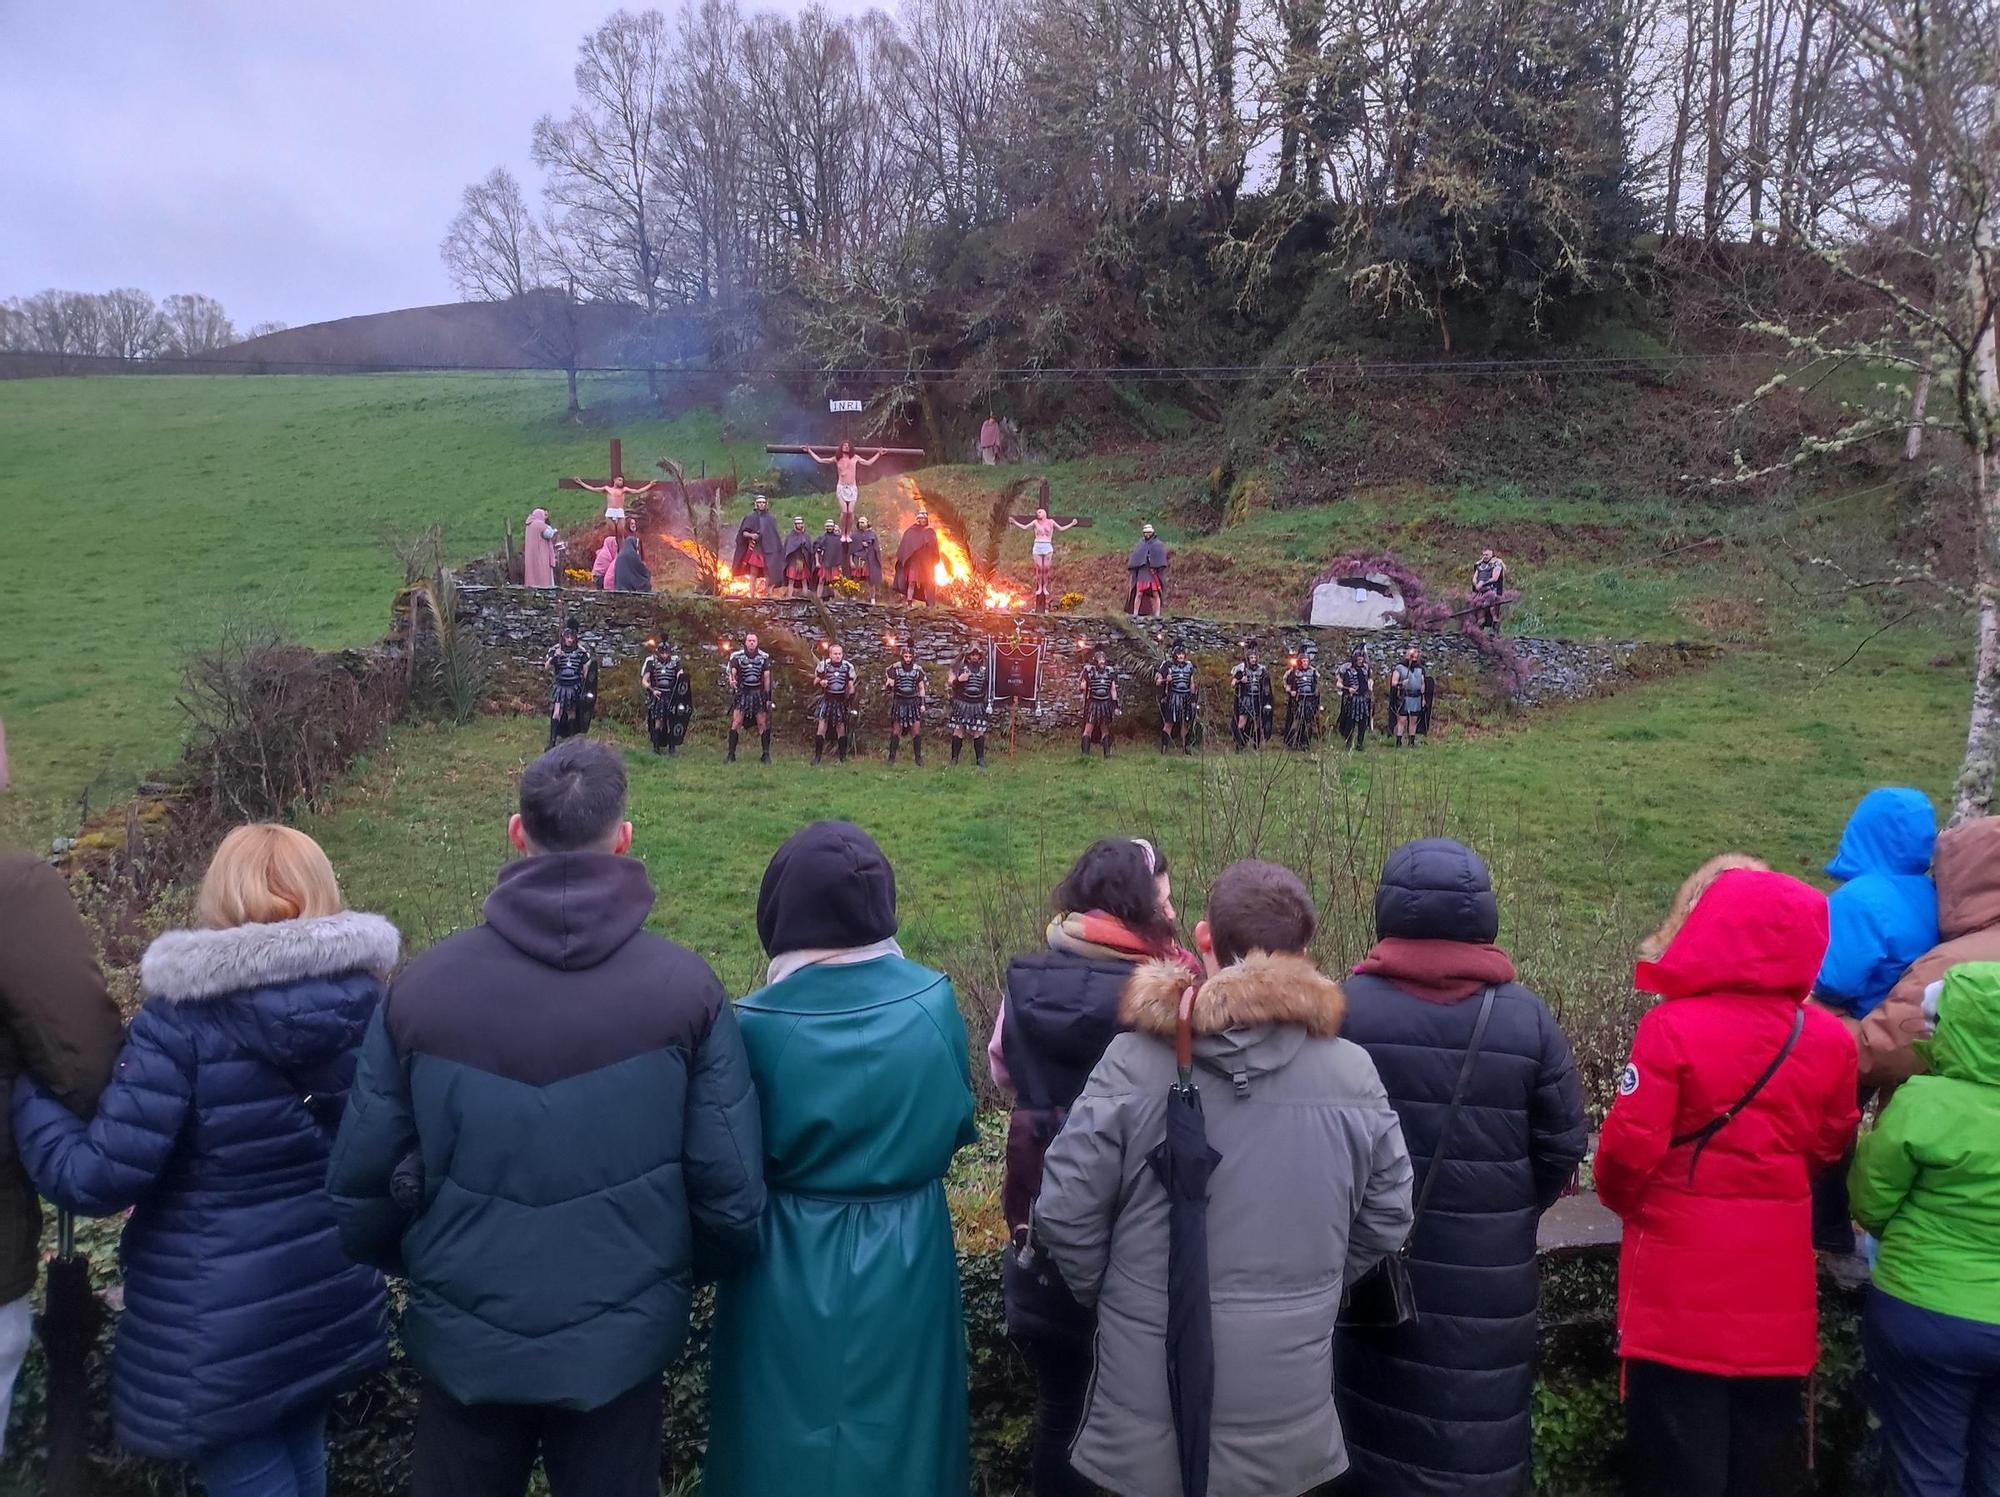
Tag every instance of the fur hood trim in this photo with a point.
(186, 966)
(1261, 989)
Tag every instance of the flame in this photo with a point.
(726, 580)
(956, 580)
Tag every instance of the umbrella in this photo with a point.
(71, 1319)
(1184, 1162)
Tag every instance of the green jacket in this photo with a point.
(840, 1351)
(1927, 1178)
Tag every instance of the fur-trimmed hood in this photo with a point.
(1260, 990)
(188, 966)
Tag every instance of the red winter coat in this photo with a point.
(1717, 1271)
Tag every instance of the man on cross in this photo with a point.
(846, 477)
(1044, 530)
(614, 493)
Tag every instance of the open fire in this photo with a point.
(957, 582)
(726, 580)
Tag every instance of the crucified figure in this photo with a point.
(846, 463)
(1045, 530)
(614, 494)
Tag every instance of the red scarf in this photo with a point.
(1110, 936)
(1437, 971)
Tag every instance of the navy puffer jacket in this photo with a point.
(1440, 1408)
(240, 1307)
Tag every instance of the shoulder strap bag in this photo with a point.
(1701, 1137)
(1383, 1298)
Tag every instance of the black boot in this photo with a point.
(843, 749)
(673, 750)
(895, 742)
(730, 757)
(957, 747)
(819, 747)
(552, 737)
(1085, 750)
(979, 752)
(1166, 740)
(766, 759)
(917, 749)
(1106, 741)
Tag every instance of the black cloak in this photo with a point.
(830, 552)
(766, 525)
(795, 542)
(630, 574)
(1150, 555)
(917, 548)
(864, 550)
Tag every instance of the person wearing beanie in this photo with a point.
(1440, 1405)
(839, 1350)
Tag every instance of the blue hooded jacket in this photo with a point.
(1885, 913)
(240, 1307)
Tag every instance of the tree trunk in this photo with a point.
(1913, 442)
(575, 405)
(1982, 738)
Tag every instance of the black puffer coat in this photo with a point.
(1442, 1406)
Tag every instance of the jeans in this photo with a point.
(1937, 1392)
(16, 1327)
(287, 1460)
(1062, 1384)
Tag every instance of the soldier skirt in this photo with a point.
(968, 717)
(833, 711)
(752, 701)
(1099, 714)
(907, 712)
(1177, 708)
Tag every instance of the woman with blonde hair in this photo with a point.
(243, 1317)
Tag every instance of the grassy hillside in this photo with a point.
(145, 510)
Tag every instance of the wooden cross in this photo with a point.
(799, 449)
(1081, 521)
(636, 492)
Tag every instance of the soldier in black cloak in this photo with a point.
(759, 548)
(829, 556)
(1250, 680)
(970, 682)
(909, 688)
(1357, 699)
(864, 557)
(750, 675)
(1302, 700)
(916, 561)
(669, 697)
(1175, 678)
(1147, 569)
(1100, 701)
(572, 687)
(798, 561)
(839, 683)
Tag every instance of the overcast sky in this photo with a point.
(297, 159)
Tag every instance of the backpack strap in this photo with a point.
(1450, 1117)
(1701, 1137)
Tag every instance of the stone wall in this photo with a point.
(515, 626)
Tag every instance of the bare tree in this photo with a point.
(196, 325)
(130, 325)
(265, 329)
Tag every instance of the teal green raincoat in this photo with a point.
(840, 1352)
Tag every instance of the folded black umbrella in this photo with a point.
(1184, 1162)
(71, 1319)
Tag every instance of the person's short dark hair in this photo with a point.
(1258, 906)
(573, 797)
(1119, 877)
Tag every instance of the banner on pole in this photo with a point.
(1017, 673)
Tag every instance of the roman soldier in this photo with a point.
(758, 547)
(669, 697)
(572, 687)
(751, 676)
(798, 559)
(838, 684)
(864, 558)
(1250, 680)
(1146, 568)
(1302, 699)
(829, 555)
(971, 682)
(909, 688)
(1100, 701)
(1175, 678)
(1411, 691)
(1489, 581)
(1357, 699)
(917, 560)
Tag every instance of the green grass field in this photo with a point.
(147, 510)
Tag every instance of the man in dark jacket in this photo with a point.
(553, 1123)
(1439, 1408)
(57, 1024)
